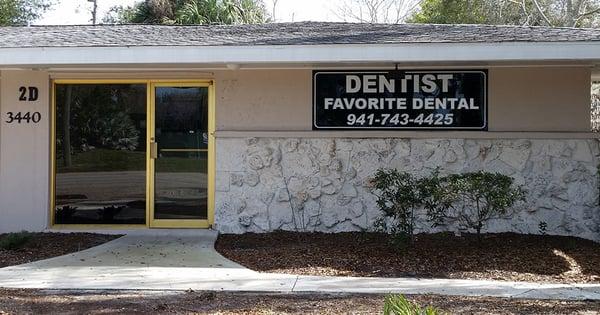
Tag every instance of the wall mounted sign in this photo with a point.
(400, 99)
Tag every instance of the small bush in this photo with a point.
(14, 241)
(399, 198)
(399, 305)
(469, 200)
(476, 198)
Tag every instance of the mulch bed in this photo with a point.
(504, 256)
(48, 245)
(115, 302)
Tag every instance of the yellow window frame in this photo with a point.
(150, 113)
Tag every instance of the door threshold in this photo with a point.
(137, 231)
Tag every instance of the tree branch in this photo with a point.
(537, 5)
(588, 13)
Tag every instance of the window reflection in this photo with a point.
(100, 154)
(181, 167)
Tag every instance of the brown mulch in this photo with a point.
(504, 256)
(115, 302)
(48, 245)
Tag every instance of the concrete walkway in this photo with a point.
(165, 260)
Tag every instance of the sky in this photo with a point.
(78, 11)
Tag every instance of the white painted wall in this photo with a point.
(24, 154)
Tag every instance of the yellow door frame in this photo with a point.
(150, 105)
(162, 223)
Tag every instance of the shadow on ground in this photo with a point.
(504, 256)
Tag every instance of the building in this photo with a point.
(280, 126)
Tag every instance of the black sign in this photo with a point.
(400, 99)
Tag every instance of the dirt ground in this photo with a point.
(48, 302)
(48, 245)
(506, 256)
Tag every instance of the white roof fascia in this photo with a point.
(315, 54)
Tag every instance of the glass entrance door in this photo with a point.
(179, 155)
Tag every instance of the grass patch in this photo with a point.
(104, 160)
(14, 241)
(397, 304)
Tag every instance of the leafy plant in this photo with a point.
(398, 198)
(435, 196)
(476, 198)
(190, 12)
(21, 12)
(469, 200)
(64, 214)
(13, 241)
(399, 305)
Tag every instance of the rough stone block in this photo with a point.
(323, 184)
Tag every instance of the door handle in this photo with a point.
(153, 150)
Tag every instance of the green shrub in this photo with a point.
(13, 241)
(476, 198)
(398, 198)
(469, 200)
(398, 305)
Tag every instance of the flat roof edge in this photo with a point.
(343, 53)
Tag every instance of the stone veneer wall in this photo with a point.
(266, 184)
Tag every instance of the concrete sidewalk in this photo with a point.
(182, 260)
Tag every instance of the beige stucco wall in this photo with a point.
(263, 100)
(541, 99)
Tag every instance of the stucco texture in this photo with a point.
(24, 154)
(532, 99)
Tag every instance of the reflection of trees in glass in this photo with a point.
(90, 116)
(181, 117)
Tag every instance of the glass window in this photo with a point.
(100, 154)
(181, 180)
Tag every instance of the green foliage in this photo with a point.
(434, 194)
(396, 304)
(13, 241)
(451, 12)
(570, 13)
(119, 14)
(190, 12)
(469, 200)
(100, 116)
(221, 12)
(21, 12)
(399, 198)
(477, 198)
